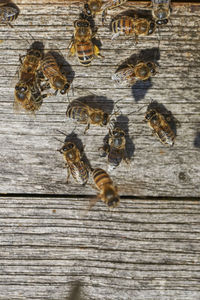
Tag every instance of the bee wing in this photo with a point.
(92, 202)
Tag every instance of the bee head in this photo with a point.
(150, 114)
(68, 146)
(162, 21)
(152, 68)
(117, 133)
(111, 197)
(21, 92)
(87, 10)
(105, 119)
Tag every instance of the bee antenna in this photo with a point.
(58, 140)
(61, 132)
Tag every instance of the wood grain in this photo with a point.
(146, 249)
(29, 160)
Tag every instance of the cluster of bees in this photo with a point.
(39, 72)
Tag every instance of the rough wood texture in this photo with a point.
(29, 160)
(146, 249)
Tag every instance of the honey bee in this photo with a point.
(161, 11)
(108, 193)
(27, 91)
(129, 75)
(51, 71)
(85, 114)
(82, 43)
(127, 26)
(74, 163)
(95, 6)
(8, 13)
(115, 148)
(161, 128)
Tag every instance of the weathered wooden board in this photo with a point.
(29, 160)
(146, 249)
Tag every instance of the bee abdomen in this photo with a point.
(114, 157)
(77, 113)
(49, 65)
(166, 138)
(122, 25)
(85, 53)
(8, 13)
(101, 177)
(79, 172)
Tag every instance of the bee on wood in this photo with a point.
(128, 26)
(82, 43)
(160, 126)
(85, 114)
(161, 11)
(108, 193)
(8, 13)
(74, 163)
(129, 75)
(115, 148)
(27, 90)
(95, 6)
(51, 71)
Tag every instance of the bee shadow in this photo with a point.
(37, 46)
(99, 102)
(197, 140)
(75, 293)
(72, 137)
(65, 67)
(171, 120)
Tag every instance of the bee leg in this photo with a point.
(71, 47)
(115, 35)
(97, 52)
(136, 39)
(68, 173)
(87, 127)
(21, 58)
(104, 14)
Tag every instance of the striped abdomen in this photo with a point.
(123, 25)
(50, 67)
(79, 172)
(8, 13)
(166, 137)
(101, 178)
(77, 113)
(125, 77)
(85, 52)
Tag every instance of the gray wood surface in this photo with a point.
(146, 249)
(29, 160)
